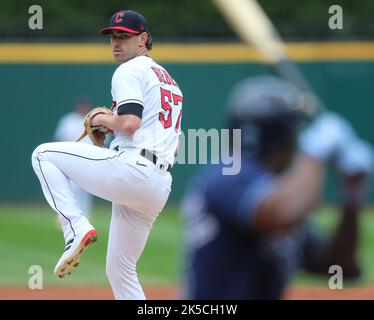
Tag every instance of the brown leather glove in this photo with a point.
(97, 134)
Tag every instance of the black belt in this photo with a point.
(152, 157)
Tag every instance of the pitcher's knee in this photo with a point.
(40, 151)
(36, 155)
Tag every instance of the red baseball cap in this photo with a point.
(126, 20)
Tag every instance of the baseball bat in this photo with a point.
(254, 27)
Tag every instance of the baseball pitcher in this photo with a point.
(133, 173)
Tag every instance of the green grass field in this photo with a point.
(30, 235)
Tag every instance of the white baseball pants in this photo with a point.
(137, 188)
(84, 199)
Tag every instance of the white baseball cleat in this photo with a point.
(73, 250)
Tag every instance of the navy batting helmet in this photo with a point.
(269, 112)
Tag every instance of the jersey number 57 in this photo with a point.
(166, 118)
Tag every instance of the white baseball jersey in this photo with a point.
(141, 80)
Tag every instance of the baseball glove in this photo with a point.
(98, 133)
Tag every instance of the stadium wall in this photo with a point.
(39, 83)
